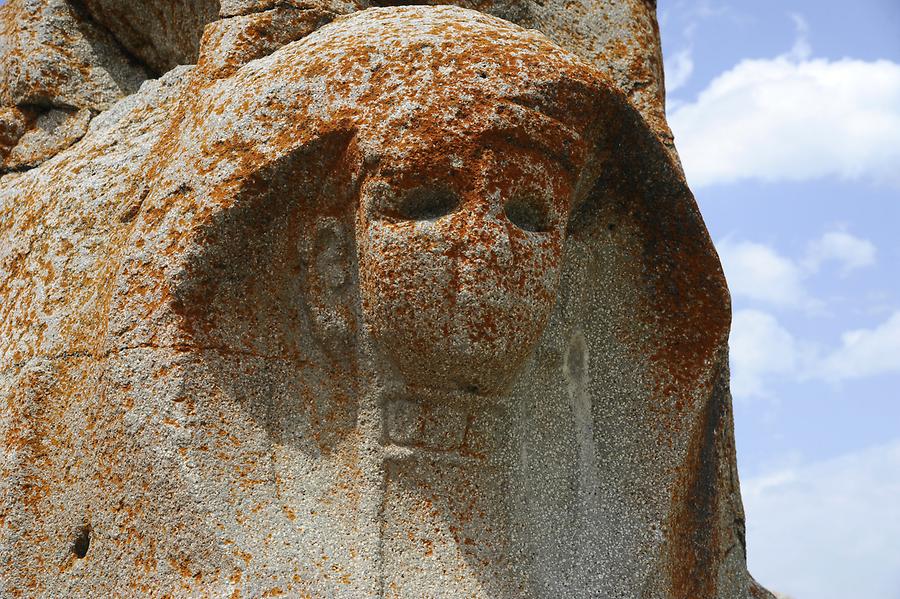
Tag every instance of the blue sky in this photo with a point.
(787, 117)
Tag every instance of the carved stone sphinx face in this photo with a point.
(460, 245)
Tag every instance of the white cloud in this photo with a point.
(801, 49)
(793, 118)
(679, 69)
(828, 530)
(848, 251)
(678, 24)
(864, 352)
(756, 271)
(760, 348)
(762, 351)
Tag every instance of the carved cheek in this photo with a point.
(406, 276)
(507, 285)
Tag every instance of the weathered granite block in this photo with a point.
(414, 303)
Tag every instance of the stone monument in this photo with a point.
(328, 300)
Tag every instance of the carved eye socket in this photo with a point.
(528, 213)
(427, 204)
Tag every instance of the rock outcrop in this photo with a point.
(363, 302)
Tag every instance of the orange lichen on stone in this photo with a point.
(414, 303)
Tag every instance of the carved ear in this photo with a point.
(266, 297)
(331, 277)
(273, 270)
(331, 280)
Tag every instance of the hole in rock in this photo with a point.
(528, 213)
(427, 204)
(471, 388)
(82, 542)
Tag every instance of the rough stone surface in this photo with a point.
(161, 34)
(55, 64)
(50, 133)
(51, 56)
(89, 53)
(14, 122)
(416, 303)
(230, 43)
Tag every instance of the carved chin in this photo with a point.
(469, 339)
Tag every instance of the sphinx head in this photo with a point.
(437, 154)
(471, 172)
(459, 254)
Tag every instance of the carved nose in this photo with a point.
(486, 241)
